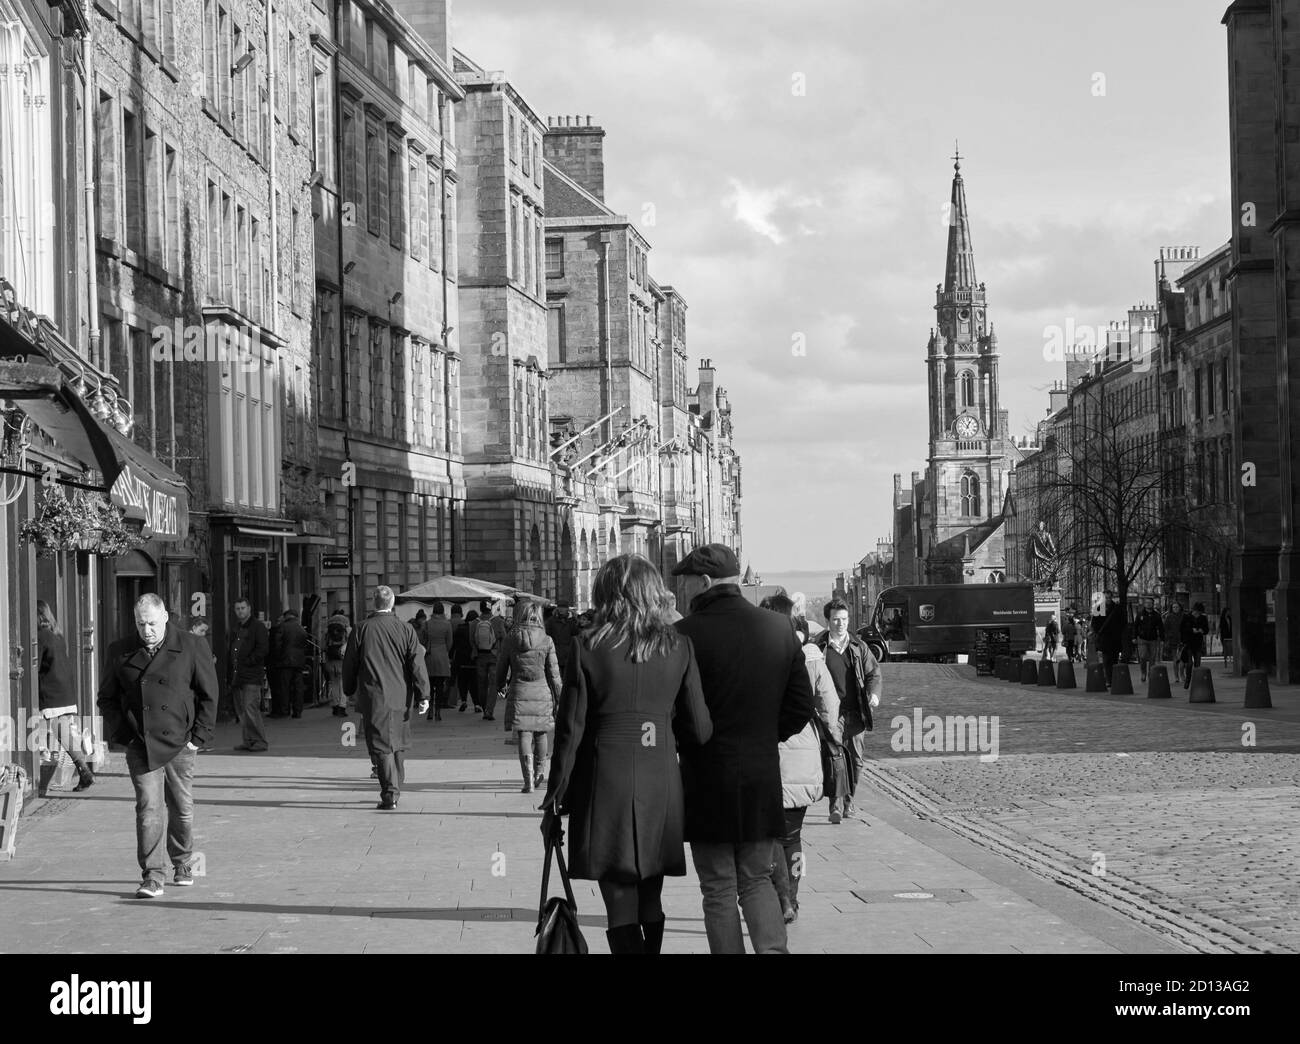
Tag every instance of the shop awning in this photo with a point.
(146, 490)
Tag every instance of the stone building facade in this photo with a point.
(513, 533)
(387, 307)
(1196, 418)
(203, 146)
(1264, 302)
(601, 331)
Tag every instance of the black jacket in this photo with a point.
(866, 668)
(248, 648)
(616, 772)
(1148, 626)
(1109, 629)
(57, 683)
(160, 703)
(757, 691)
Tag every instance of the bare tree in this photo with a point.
(1112, 486)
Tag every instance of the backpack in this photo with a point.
(336, 638)
(485, 638)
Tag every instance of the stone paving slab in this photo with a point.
(297, 860)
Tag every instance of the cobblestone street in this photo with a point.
(1153, 808)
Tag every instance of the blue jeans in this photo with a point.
(742, 870)
(169, 785)
(487, 684)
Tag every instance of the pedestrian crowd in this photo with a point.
(648, 731)
(1151, 637)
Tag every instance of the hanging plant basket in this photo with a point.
(84, 522)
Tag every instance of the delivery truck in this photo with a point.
(938, 622)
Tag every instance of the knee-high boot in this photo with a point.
(526, 766)
(626, 938)
(653, 932)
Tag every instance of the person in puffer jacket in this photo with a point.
(528, 659)
(801, 766)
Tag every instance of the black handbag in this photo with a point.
(835, 763)
(557, 917)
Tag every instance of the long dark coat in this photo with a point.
(162, 703)
(437, 640)
(384, 668)
(758, 694)
(615, 770)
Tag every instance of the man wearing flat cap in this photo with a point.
(758, 694)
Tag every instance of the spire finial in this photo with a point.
(956, 157)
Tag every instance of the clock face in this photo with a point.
(964, 314)
(966, 427)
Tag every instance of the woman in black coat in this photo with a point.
(631, 691)
(58, 692)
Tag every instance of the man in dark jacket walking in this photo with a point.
(1150, 631)
(858, 683)
(249, 645)
(757, 691)
(384, 668)
(159, 699)
(1109, 631)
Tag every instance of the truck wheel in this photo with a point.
(878, 651)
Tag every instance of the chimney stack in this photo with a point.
(578, 151)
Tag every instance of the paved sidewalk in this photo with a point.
(297, 859)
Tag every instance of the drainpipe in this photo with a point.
(446, 326)
(607, 396)
(275, 217)
(93, 572)
(344, 375)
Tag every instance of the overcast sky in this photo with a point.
(798, 157)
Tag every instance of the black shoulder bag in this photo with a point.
(557, 917)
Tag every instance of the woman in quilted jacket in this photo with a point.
(528, 659)
(801, 766)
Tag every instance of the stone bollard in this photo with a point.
(1065, 675)
(1096, 678)
(1028, 672)
(1121, 683)
(1257, 693)
(1202, 686)
(1158, 686)
(1046, 675)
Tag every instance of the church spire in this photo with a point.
(959, 274)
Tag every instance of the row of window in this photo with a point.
(139, 172)
(127, 354)
(236, 77)
(527, 227)
(525, 148)
(638, 269)
(408, 394)
(1204, 381)
(392, 517)
(1214, 471)
(1202, 300)
(396, 190)
(152, 22)
(529, 408)
(369, 45)
(640, 348)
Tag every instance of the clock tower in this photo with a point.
(970, 448)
